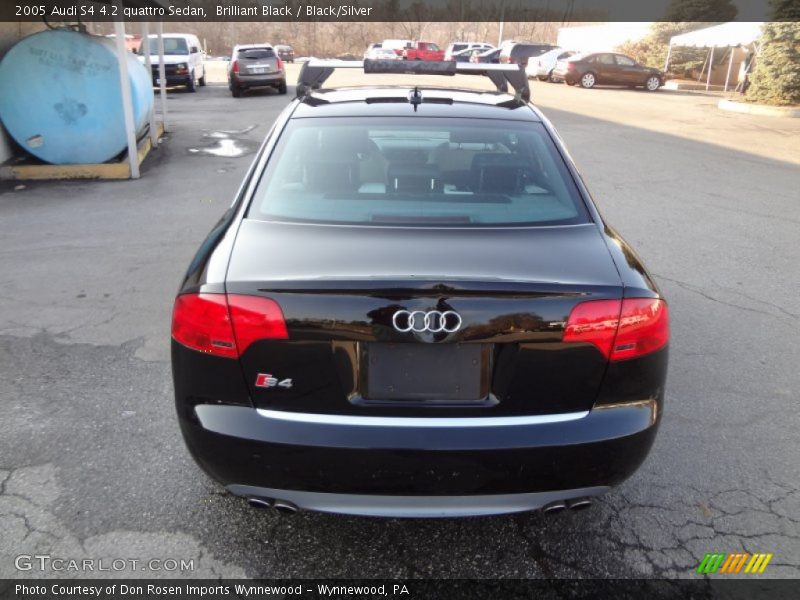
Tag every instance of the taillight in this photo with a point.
(571, 66)
(235, 66)
(225, 325)
(620, 329)
(279, 63)
(256, 318)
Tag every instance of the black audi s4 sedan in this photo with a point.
(413, 308)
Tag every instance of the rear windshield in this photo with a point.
(256, 53)
(412, 171)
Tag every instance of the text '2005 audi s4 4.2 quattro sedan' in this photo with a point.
(413, 308)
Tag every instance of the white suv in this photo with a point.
(542, 66)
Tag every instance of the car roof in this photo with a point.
(371, 101)
(249, 46)
(186, 36)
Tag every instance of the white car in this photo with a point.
(183, 60)
(542, 66)
(381, 54)
(461, 46)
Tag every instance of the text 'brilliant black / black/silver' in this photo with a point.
(413, 308)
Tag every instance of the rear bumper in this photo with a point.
(417, 466)
(265, 80)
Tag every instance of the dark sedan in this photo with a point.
(413, 308)
(285, 52)
(606, 68)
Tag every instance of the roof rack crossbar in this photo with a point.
(315, 72)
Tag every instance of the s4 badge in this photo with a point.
(265, 380)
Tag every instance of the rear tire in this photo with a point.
(540, 78)
(550, 77)
(282, 88)
(588, 80)
(202, 80)
(236, 92)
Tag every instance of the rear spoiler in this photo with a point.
(316, 71)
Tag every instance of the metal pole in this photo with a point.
(666, 63)
(710, 67)
(127, 102)
(162, 74)
(730, 64)
(502, 22)
(149, 65)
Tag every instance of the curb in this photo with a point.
(759, 109)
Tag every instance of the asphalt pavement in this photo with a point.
(91, 459)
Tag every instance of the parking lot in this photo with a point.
(91, 459)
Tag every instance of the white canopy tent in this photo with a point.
(727, 35)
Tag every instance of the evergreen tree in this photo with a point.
(719, 11)
(776, 75)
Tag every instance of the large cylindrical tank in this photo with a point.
(61, 98)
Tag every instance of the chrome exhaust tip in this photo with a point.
(580, 503)
(285, 507)
(259, 502)
(554, 507)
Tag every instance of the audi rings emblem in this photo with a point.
(433, 321)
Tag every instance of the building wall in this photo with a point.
(9, 34)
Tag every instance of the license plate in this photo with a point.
(437, 372)
(258, 70)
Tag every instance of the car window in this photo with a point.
(171, 46)
(433, 47)
(625, 61)
(457, 47)
(605, 59)
(432, 171)
(255, 53)
(564, 55)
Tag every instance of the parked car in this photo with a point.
(397, 46)
(487, 56)
(370, 48)
(520, 53)
(457, 47)
(255, 66)
(606, 68)
(417, 313)
(542, 66)
(464, 55)
(423, 51)
(183, 60)
(381, 54)
(285, 52)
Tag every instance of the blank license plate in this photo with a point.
(258, 70)
(425, 371)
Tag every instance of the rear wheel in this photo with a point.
(236, 92)
(282, 88)
(202, 80)
(550, 77)
(652, 84)
(588, 80)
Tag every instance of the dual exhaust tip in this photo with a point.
(282, 506)
(289, 508)
(561, 505)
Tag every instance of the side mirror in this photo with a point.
(195, 49)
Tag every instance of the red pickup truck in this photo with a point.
(423, 51)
